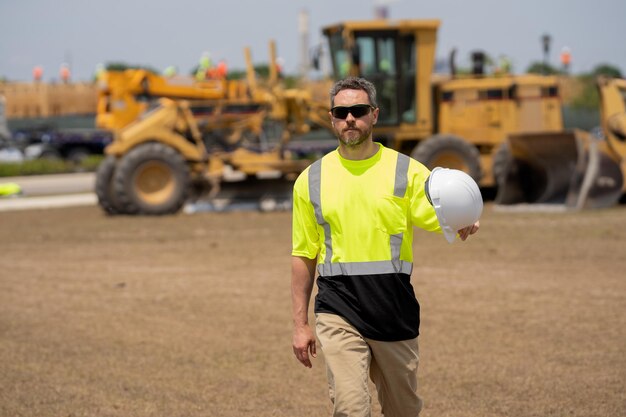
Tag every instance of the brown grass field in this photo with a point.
(189, 315)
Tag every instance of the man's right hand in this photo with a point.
(303, 344)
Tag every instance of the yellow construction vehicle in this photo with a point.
(503, 130)
(456, 122)
(613, 117)
(124, 95)
(157, 162)
(236, 138)
(574, 168)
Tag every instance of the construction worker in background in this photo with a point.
(100, 71)
(566, 59)
(37, 73)
(170, 71)
(217, 72)
(280, 64)
(203, 66)
(64, 73)
(221, 70)
(353, 217)
(504, 65)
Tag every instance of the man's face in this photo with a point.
(352, 131)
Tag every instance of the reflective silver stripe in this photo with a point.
(395, 242)
(395, 265)
(399, 190)
(363, 268)
(315, 190)
(402, 168)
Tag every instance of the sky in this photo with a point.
(162, 33)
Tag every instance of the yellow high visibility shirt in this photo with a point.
(357, 217)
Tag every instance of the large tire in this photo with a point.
(104, 186)
(449, 152)
(502, 160)
(152, 179)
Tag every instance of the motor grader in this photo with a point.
(157, 162)
(229, 138)
(124, 95)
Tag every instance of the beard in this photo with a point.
(352, 136)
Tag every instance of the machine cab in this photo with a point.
(397, 56)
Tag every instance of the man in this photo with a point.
(353, 214)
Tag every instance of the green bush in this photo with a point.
(48, 166)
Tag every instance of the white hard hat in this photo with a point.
(456, 199)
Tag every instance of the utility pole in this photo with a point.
(545, 40)
(303, 30)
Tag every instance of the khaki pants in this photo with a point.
(351, 359)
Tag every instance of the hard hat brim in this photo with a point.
(449, 234)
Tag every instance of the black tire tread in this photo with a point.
(103, 189)
(501, 160)
(427, 149)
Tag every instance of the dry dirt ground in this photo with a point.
(189, 315)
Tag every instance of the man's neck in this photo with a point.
(363, 151)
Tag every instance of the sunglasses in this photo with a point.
(358, 110)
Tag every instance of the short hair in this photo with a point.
(354, 83)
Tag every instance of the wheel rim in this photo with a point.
(155, 182)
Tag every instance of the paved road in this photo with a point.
(58, 184)
(49, 191)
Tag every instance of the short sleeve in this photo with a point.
(422, 212)
(305, 234)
